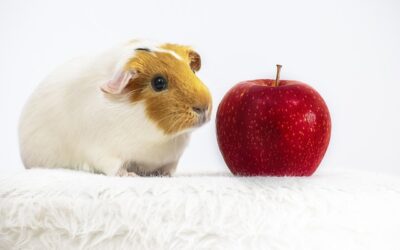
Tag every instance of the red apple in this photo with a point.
(273, 127)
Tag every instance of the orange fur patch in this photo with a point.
(170, 109)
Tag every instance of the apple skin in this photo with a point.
(273, 130)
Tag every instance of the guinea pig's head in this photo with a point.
(164, 78)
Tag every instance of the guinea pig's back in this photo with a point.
(52, 124)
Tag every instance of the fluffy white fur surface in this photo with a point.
(59, 209)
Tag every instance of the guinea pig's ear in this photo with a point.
(195, 60)
(119, 81)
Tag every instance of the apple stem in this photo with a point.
(278, 73)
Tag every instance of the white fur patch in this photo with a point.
(170, 52)
(154, 46)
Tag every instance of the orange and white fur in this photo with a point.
(128, 111)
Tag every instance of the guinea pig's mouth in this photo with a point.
(182, 124)
(203, 118)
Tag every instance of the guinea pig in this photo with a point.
(125, 112)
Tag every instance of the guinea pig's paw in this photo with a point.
(122, 172)
(167, 170)
(161, 172)
(132, 174)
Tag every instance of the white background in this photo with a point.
(348, 50)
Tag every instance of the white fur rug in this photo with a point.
(59, 209)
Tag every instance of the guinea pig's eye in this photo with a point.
(159, 83)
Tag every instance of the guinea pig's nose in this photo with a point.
(200, 109)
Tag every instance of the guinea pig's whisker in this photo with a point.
(174, 124)
(169, 116)
(179, 123)
(184, 122)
